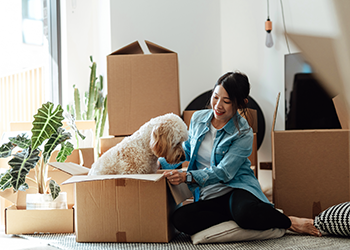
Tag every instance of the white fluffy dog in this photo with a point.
(138, 154)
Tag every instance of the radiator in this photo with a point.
(21, 95)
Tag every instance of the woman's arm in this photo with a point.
(228, 162)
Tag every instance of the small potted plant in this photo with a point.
(47, 134)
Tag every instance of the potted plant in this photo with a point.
(47, 134)
(95, 104)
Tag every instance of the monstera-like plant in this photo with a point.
(47, 134)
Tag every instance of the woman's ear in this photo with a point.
(246, 101)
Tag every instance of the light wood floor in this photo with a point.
(10, 242)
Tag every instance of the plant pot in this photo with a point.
(45, 201)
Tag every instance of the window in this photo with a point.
(30, 61)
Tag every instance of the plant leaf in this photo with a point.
(21, 141)
(5, 180)
(77, 103)
(46, 122)
(6, 149)
(55, 139)
(23, 187)
(66, 150)
(90, 105)
(54, 189)
(21, 164)
(71, 123)
(104, 117)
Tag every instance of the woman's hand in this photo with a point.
(175, 177)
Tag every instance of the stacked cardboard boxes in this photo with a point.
(141, 86)
(131, 208)
(310, 168)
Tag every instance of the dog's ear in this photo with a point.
(159, 142)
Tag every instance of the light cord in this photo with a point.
(284, 25)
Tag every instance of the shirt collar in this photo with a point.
(229, 126)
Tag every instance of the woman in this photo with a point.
(219, 173)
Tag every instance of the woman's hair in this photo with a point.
(237, 87)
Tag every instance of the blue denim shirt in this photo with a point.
(229, 158)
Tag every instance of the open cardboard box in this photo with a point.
(18, 220)
(144, 86)
(124, 208)
(310, 167)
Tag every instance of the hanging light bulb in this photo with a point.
(268, 28)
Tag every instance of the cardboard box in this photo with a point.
(141, 86)
(253, 122)
(125, 208)
(18, 220)
(310, 169)
(108, 142)
(22, 221)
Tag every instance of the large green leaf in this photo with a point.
(21, 141)
(54, 189)
(6, 149)
(5, 180)
(21, 164)
(66, 150)
(46, 123)
(55, 139)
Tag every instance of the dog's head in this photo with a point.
(167, 137)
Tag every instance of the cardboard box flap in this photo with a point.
(342, 111)
(132, 48)
(275, 113)
(70, 168)
(85, 178)
(154, 48)
(180, 192)
(9, 195)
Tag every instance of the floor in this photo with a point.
(10, 242)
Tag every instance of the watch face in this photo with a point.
(188, 177)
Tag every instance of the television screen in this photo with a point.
(307, 104)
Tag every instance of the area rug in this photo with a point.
(289, 241)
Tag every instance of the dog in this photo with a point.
(138, 154)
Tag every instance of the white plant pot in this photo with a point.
(45, 201)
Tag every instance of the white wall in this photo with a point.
(190, 28)
(243, 48)
(210, 37)
(85, 32)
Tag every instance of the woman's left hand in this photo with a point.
(175, 177)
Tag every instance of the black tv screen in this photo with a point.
(307, 104)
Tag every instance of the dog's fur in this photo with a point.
(138, 154)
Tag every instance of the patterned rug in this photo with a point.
(183, 242)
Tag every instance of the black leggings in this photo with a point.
(238, 205)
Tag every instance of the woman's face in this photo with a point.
(222, 105)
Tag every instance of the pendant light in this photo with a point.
(268, 28)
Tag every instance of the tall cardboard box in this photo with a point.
(141, 86)
(310, 169)
(125, 208)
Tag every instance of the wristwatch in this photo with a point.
(188, 178)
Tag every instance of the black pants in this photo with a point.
(238, 205)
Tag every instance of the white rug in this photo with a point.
(182, 241)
